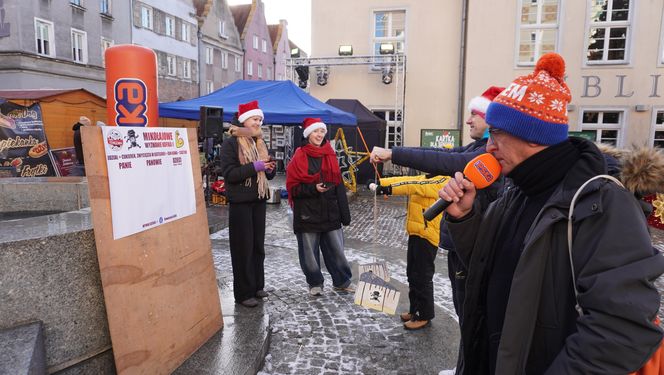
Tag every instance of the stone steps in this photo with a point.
(22, 349)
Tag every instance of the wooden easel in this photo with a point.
(159, 285)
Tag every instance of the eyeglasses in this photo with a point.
(493, 132)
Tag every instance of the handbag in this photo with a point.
(655, 364)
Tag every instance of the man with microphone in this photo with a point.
(442, 161)
(520, 314)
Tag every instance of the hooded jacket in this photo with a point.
(615, 266)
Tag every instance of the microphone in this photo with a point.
(482, 171)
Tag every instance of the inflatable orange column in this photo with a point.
(131, 86)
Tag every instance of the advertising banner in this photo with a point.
(64, 160)
(149, 175)
(23, 143)
(439, 138)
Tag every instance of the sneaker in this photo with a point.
(316, 291)
(350, 288)
(249, 302)
(405, 317)
(414, 325)
(261, 294)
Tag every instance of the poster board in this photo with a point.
(159, 285)
(443, 138)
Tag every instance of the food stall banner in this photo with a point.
(23, 142)
(149, 175)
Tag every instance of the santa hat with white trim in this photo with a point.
(310, 124)
(480, 104)
(247, 110)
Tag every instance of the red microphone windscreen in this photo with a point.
(483, 170)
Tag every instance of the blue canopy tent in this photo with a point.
(282, 102)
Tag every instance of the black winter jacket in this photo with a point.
(315, 212)
(235, 174)
(615, 266)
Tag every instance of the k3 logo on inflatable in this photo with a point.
(131, 97)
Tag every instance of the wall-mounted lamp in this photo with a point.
(345, 50)
(295, 52)
(387, 74)
(386, 49)
(322, 73)
(302, 75)
(641, 108)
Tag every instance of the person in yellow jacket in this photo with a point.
(423, 236)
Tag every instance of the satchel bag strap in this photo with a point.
(569, 231)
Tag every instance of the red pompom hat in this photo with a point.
(247, 110)
(311, 124)
(534, 107)
(480, 104)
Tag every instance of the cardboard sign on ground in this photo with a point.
(159, 285)
(375, 293)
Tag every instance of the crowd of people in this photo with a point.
(552, 268)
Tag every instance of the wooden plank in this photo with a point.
(159, 285)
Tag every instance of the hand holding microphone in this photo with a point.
(479, 173)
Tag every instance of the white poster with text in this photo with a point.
(149, 175)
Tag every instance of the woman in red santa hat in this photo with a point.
(320, 207)
(246, 167)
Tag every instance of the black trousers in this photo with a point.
(457, 274)
(420, 268)
(246, 229)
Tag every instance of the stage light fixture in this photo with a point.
(295, 52)
(322, 74)
(302, 75)
(386, 49)
(387, 75)
(345, 50)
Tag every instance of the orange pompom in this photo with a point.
(553, 63)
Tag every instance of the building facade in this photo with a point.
(60, 44)
(614, 52)
(257, 45)
(169, 29)
(281, 48)
(220, 55)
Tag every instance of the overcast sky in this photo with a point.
(296, 12)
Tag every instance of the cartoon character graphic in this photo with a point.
(375, 296)
(132, 138)
(179, 142)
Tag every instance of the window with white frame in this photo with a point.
(79, 46)
(44, 37)
(538, 29)
(264, 46)
(606, 124)
(222, 29)
(169, 28)
(105, 6)
(209, 86)
(209, 55)
(146, 17)
(238, 64)
(394, 128)
(224, 60)
(609, 32)
(260, 70)
(389, 27)
(170, 63)
(658, 135)
(105, 44)
(250, 68)
(184, 28)
(269, 73)
(75, 2)
(255, 45)
(186, 68)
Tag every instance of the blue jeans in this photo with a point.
(331, 244)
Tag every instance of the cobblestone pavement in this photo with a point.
(330, 334)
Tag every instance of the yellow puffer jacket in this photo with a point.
(422, 192)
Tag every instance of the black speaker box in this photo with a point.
(212, 122)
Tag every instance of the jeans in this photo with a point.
(331, 244)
